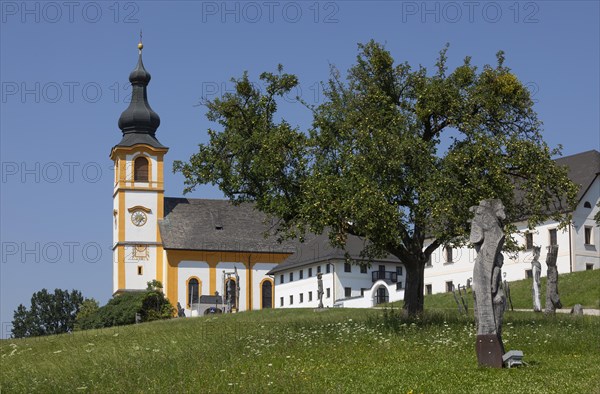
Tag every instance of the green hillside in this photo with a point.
(303, 351)
(575, 288)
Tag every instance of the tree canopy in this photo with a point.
(395, 154)
(50, 313)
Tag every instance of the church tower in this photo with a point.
(138, 194)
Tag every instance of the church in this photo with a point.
(194, 247)
(211, 252)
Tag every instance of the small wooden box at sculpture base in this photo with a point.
(489, 351)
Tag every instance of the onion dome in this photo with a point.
(139, 122)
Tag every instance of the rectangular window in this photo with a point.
(429, 262)
(301, 298)
(528, 241)
(140, 270)
(318, 269)
(291, 276)
(589, 266)
(301, 274)
(588, 235)
(449, 258)
(347, 267)
(281, 279)
(328, 292)
(309, 296)
(310, 272)
(398, 285)
(291, 300)
(362, 291)
(428, 290)
(528, 274)
(327, 268)
(449, 286)
(363, 269)
(280, 301)
(347, 292)
(399, 271)
(552, 234)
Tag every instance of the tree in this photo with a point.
(395, 155)
(88, 309)
(49, 313)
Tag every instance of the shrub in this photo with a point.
(151, 304)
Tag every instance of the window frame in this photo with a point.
(528, 241)
(428, 289)
(449, 254)
(552, 236)
(139, 170)
(588, 235)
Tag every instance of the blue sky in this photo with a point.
(64, 69)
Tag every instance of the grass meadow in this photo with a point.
(303, 351)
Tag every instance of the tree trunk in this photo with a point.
(413, 293)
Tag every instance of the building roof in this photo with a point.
(139, 122)
(218, 225)
(319, 249)
(583, 169)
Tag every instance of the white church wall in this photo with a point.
(132, 279)
(115, 221)
(147, 232)
(259, 273)
(115, 270)
(186, 270)
(229, 267)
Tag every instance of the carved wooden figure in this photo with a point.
(487, 237)
(552, 298)
(536, 270)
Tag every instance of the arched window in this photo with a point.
(193, 291)
(230, 293)
(266, 291)
(140, 169)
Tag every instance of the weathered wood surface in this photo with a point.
(552, 298)
(536, 270)
(487, 237)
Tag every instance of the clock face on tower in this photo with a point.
(139, 218)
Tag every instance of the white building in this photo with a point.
(352, 286)
(578, 244)
(344, 284)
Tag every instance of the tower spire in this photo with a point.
(139, 122)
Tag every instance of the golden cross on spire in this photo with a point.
(140, 45)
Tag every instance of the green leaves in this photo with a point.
(394, 155)
(49, 313)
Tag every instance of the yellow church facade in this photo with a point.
(197, 248)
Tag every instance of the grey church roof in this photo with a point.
(217, 225)
(320, 250)
(583, 169)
